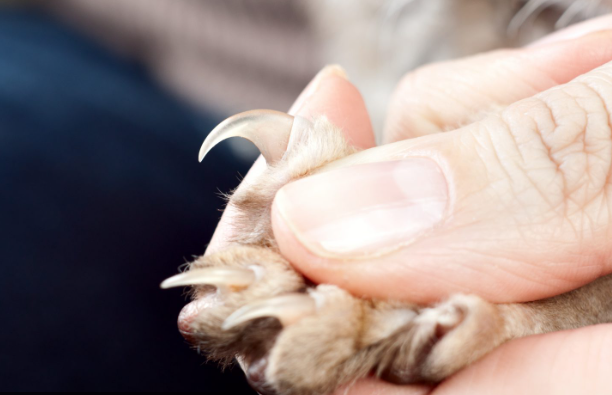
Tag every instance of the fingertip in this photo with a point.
(576, 31)
(569, 362)
(565, 60)
(341, 102)
(370, 386)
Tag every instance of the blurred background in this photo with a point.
(103, 107)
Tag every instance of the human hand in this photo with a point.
(518, 205)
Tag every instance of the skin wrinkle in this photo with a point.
(569, 274)
(459, 99)
(592, 226)
(551, 80)
(496, 144)
(606, 107)
(598, 270)
(601, 206)
(431, 278)
(538, 133)
(508, 133)
(485, 277)
(522, 280)
(547, 279)
(488, 148)
(426, 113)
(538, 136)
(575, 229)
(553, 277)
(550, 110)
(604, 211)
(480, 142)
(518, 76)
(583, 207)
(577, 224)
(542, 281)
(422, 273)
(533, 186)
(483, 163)
(587, 127)
(431, 115)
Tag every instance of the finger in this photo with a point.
(571, 362)
(444, 96)
(513, 208)
(330, 94)
(372, 386)
(578, 30)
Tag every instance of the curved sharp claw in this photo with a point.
(287, 308)
(269, 130)
(232, 278)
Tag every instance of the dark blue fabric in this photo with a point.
(101, 198)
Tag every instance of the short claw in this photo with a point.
(287, 308)
(232, 278)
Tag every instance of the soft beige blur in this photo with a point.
(233, 55)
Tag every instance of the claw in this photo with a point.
(269, 130)
(287, 308)
(232, 278)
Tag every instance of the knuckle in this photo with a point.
(564, 138)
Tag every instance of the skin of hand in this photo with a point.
(511, 205)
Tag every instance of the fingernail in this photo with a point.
(365, 210)
(328, 71)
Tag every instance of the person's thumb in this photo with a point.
(516, 207)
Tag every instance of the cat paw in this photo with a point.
(293, 338)
(224, 282)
